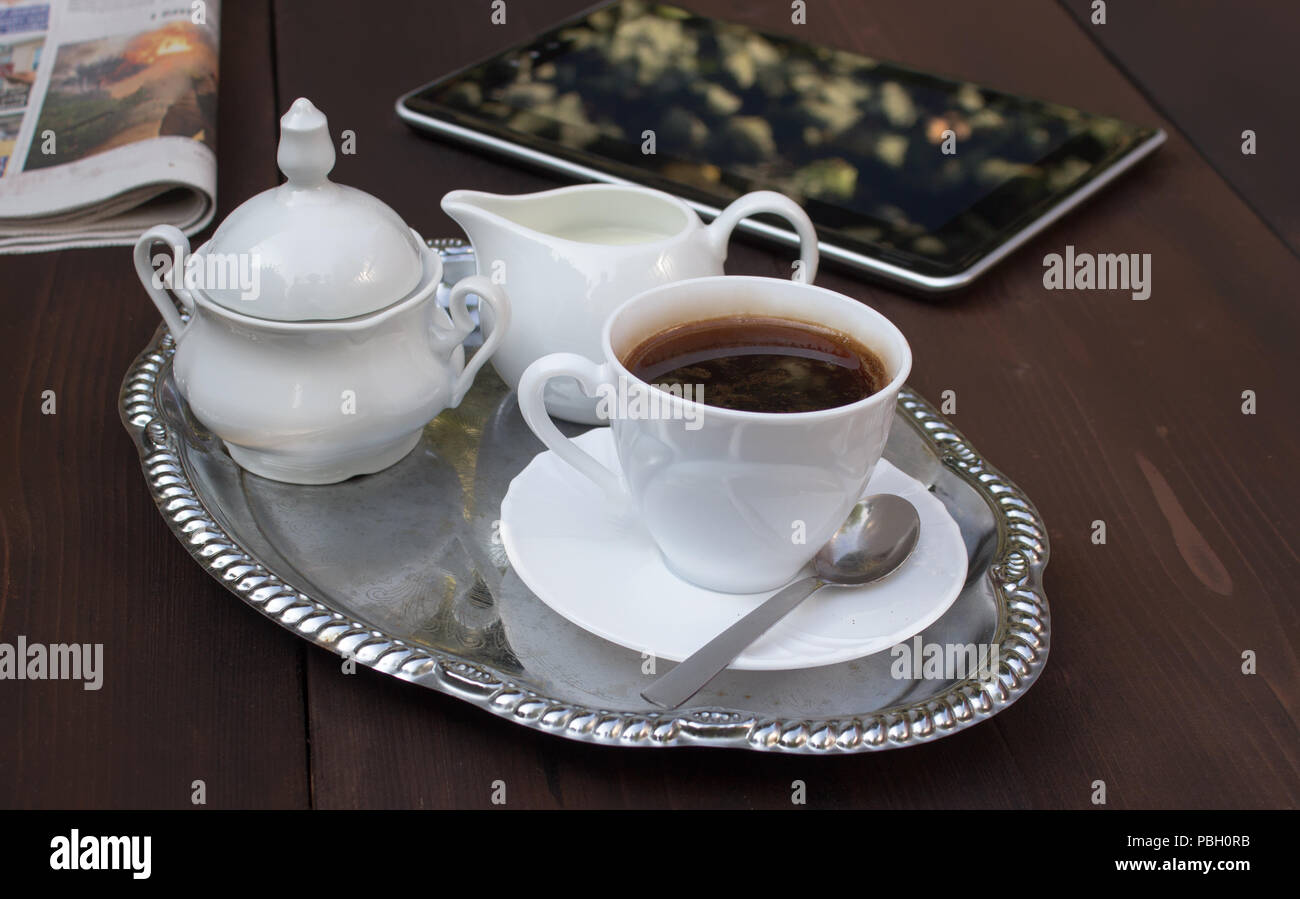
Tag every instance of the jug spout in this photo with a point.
(479, 214)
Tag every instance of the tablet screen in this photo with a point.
(924, 171)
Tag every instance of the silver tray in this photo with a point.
(399, 570)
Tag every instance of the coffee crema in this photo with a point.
(759, 364)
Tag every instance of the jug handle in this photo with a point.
(179, 245)
(463, 324)
(719, 230)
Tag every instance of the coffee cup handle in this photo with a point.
(760, 201)
(532, 403)
(179, 245)
(462, 325)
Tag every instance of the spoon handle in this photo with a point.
(690, 676)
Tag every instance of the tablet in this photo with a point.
(921, 180)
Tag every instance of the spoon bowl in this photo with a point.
(877, 537)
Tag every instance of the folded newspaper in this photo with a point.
(108, 113)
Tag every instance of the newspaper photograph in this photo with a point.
(108, 115)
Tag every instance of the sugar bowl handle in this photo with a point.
(760, 201)
(153, 279)
(462, 324)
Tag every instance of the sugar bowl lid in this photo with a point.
(310, 249)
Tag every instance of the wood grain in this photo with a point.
(195, 686)
(1218, 68)
(1081, 397)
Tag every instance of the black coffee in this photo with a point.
(760, 364)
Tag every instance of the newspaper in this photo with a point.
(108, 112)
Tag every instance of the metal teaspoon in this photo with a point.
(878, 536)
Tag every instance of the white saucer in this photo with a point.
(598, 568)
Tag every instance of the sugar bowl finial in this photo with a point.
(306, 153)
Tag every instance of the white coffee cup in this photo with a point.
(736, 501)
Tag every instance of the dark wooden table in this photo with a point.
(1102, 408)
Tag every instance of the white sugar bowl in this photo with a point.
(315, 347)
